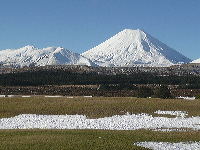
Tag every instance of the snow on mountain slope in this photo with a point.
(134, 48)
(196, 61)
(30, 55)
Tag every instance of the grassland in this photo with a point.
(86, 139)
(92, 108)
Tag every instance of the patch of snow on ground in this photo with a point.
(53, 96)
(70, 97)
(26, 96)
(176, 113)
(170, 146)
(186, 98)
(87, 96)
(118, 122)
(11, 95)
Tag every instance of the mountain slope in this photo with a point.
(134, 48)
(196, 61)
(30, 55)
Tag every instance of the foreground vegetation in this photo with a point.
(92, 108)
(87, 139)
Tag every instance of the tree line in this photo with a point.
(61, 77)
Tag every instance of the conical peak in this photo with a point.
(137, 34)
(132, 35)
(134, 48)
(137, 31)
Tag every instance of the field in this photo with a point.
(92, 108)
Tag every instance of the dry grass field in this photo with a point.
(86, 139)
(94, 107)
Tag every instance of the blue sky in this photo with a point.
(79, 25)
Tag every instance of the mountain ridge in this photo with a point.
(30, 55)
(128, 48)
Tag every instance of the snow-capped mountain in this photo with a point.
(30, 55)
(134, 48)
(196, 61)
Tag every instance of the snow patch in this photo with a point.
(53, 96)
(170, 146)
(2, 95)
(117, 122)
(186, 98)
(196, 61)
(26, 96)
(176, 113)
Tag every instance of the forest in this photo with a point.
(62, 77)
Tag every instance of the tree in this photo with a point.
(144, 92)
(163, 92)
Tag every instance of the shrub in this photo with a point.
(197, 96)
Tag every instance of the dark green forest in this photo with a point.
(61, 77)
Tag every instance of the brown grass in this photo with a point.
(87, 139)
(93, 107)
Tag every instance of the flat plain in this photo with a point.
(92, 107)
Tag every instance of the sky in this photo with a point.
(79, 25)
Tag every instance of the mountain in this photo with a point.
(30, 55)
(196, 61)
(134, 48)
